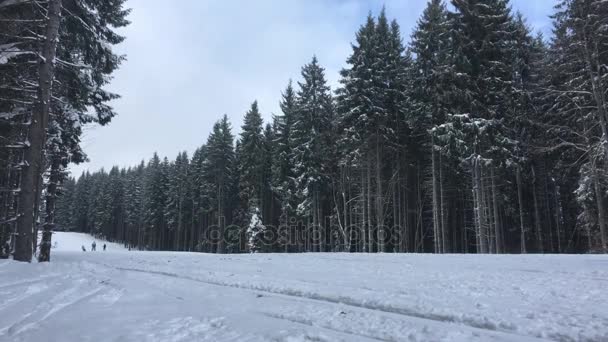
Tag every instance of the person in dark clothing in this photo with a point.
(93, 245)
(84, 249)
(104, 247)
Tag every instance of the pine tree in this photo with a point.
(481, 34)
(63, 88)
(251, 161)
(255, 233)
(431, 45)
(218, 170)
(311, 139)
(578, 106)
(283, 184)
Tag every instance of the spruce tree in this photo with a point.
(218, 170)
(251, 161)
(311, 137)
(283, 184)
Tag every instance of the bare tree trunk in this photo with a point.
(363, 231)
(396, 227)
(537, 226)
(321, 233)
(33, 155)
(558, 224)
(444, 215)
(370, 226)
(520, 200)
(547, 210)
(481, 209)
(49, 220)
(476, 212)
(436, 198)
(220, 219)
(497, 228)
(601, 210)
(347, 222)
(405, 238)
(38, 187)
(488, 232)
(379, 199)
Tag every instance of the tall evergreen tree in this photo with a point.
(311, 137)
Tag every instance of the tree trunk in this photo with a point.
(601, 210)
(436, 198)
(49, 220)
(379, 200)
(363, 230)
(33, 155)
(520, 200)
(38, 186)
(370, 226)
(547, 211)
(476, 218)
(537, 226)
(443, 246)
(558, 225)
(497, 229)
(480, 207)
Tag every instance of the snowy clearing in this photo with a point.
(119, 295)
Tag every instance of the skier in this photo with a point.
(84, 249)
(104, 247)
(93, 245)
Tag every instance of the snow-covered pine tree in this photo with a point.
(218, 170)
(577, 114)
(255, 233)
(20, 24)
(311, 136)
(176, 201)
(155, 182)
(64, 61)
(355, 104)
(64, 209)
(251, 161)
(283, 184)
(431, 45)
(481, 32)
(269, 200)
(133, 205)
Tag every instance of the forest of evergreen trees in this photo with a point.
(56, 58)
(478, 136)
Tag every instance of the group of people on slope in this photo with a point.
(94, 247)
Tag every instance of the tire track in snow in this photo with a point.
(27, 282)
(43, 312)
(471, 322)
(324, 326)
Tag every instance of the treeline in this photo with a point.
(55, 60)
(478, 136)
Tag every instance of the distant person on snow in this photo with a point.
(104, 247)
(93, 245)
(84, 249)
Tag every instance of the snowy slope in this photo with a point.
(66, 242)
(162, 296)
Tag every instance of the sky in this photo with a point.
(191, 61)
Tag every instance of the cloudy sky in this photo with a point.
(191, 61)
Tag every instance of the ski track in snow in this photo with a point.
(167, 296)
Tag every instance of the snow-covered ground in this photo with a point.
(120, 295)
(73, 242)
